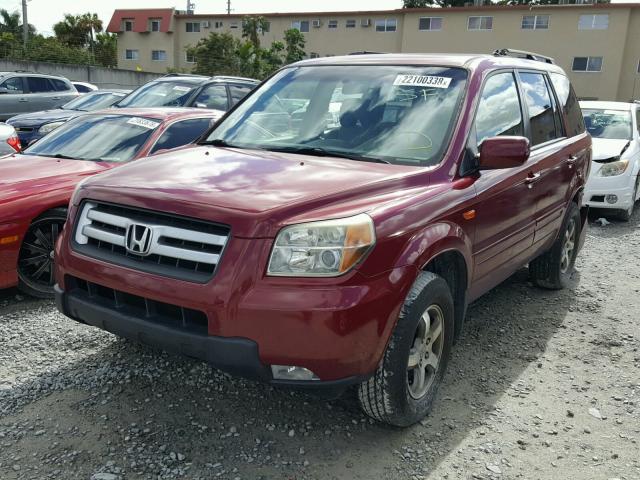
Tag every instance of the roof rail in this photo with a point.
(231, 77)
(366, 52)
(509, 52)
(182, 75)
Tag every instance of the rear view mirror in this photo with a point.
(503, 152)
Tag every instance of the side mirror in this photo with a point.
(200, 105)
(503, 152)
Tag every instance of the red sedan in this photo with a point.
(35, 187)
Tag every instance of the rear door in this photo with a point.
(63, 90)
(13, 101)
(238, 92)
(558, 153)
(505, 208)
(40, 93)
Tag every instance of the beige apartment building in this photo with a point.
(597, 45)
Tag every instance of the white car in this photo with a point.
(613, 183)
(9, 141)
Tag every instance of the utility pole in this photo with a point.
(228, 7)
(25, 24)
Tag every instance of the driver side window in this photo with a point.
(214, 97)
(499, 111)
(13, 85)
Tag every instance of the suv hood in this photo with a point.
(39, 118)
(28, 175)
(241, 184)
(604, 148)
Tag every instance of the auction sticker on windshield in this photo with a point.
(181, 88)
(143, 122)
(422, 81)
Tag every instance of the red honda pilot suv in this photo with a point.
(331, 230)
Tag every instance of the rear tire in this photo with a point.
(35, 260)
(403, 388)
(553, 268)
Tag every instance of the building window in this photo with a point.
(350, 24)
(158, 55)
(314, 55)
(332, 24)
(430, 23)
(593, 22)
(638, 69)
(127, 25)
(154, 25)
(587, 64)
(480, 23)
(266, 29)
(217, 24)
(131, 55)
(192, 27)
(300, 25)
(386, 25)
(535, 22)
(189, 57)
(233, 25)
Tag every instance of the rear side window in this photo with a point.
(38, 85)
(538, 100)
(238, 92)
(59, 85)
(182, 133)
(13, 85)
(568, 103)
(499, 108)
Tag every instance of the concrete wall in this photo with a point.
(99, 76)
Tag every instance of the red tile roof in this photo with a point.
(141, 19)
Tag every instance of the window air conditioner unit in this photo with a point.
(316, 23)
(181, 12)
(365, 22)
(205, 24)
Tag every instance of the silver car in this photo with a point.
(30, 92)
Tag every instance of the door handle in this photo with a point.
(531, 179)
(55, 98)
(22, 100)
(571, 161)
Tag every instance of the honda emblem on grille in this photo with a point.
(138, 239)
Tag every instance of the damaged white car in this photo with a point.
(613, 182)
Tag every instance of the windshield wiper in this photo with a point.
(218, 142)
(321, 152)
(66, 157)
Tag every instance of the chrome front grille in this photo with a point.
(150, 241)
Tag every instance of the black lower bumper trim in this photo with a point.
(237, 356)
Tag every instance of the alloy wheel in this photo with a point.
(35, 261)
(426, 352)
(568, 246)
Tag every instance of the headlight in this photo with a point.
(321, 249)
(49, 127)
(614, 168)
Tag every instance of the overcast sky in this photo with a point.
(44, 13)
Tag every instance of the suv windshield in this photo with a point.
(93, 101)
(394, 114)
(160, 94)
(109, 138)
(611, 124)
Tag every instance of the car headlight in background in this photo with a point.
(49, 127)
(614, 168)
(321, 249)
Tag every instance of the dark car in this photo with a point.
(183, 90)
(333, 254)
(22, 92)
(33, 126)
(35, 186)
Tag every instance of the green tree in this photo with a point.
(294, 45)
(11, 23)
(273, 58)
(92, 25)
(106, 49)
(253, 28)
(78, 30)
(217, 55)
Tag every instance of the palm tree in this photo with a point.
(10, 23)
(252, 27)
(92, 24)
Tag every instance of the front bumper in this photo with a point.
(598, 188)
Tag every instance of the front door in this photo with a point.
(505, 208)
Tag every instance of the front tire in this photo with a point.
(403, 388)
(35, 260)
(553, 269)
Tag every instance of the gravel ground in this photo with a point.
(543, 385)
